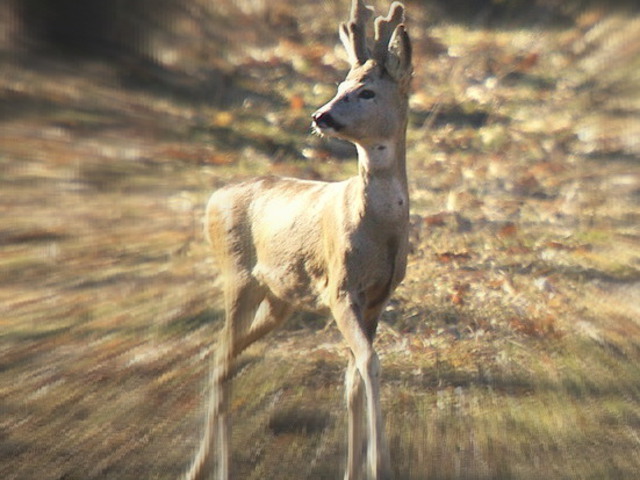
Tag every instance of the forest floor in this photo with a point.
(511, 350)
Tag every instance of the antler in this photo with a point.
(384, 28)
(353, 33)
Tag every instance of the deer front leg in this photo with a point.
(378, 459)
(349, 318)
(354, 393)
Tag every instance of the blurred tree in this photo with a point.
(93, 27)
(518, 12)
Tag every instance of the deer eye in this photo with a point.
(367, 94)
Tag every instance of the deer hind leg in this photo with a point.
(243, 295)
(241, 302)
(271, 313)
(250, 314)
(358, 333)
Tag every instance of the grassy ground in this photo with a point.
(512, 349)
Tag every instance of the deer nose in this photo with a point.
(323, 120)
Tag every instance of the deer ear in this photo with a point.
(398, 59)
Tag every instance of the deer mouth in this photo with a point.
(324, 122)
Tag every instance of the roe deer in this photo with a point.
(284, 244)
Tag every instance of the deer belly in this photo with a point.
(296, 283)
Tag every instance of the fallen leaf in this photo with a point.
(223, 119)
(448, 257)
(457, 299)
(296, 103)
(526, 62)
(508, 230)
(437, 220)
(459, 291)
(220, 159)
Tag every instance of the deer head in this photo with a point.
(371, 103)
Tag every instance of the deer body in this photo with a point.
(284, 244)
(294, 228)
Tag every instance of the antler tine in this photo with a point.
(353, 32)
(384, 28)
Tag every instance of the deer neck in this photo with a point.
(383, 160)
(383, 178)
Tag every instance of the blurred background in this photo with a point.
(511, 350)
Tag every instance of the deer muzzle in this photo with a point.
(323, 122)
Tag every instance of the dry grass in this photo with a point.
(512, 349)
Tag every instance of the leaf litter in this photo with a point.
(498, 349)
